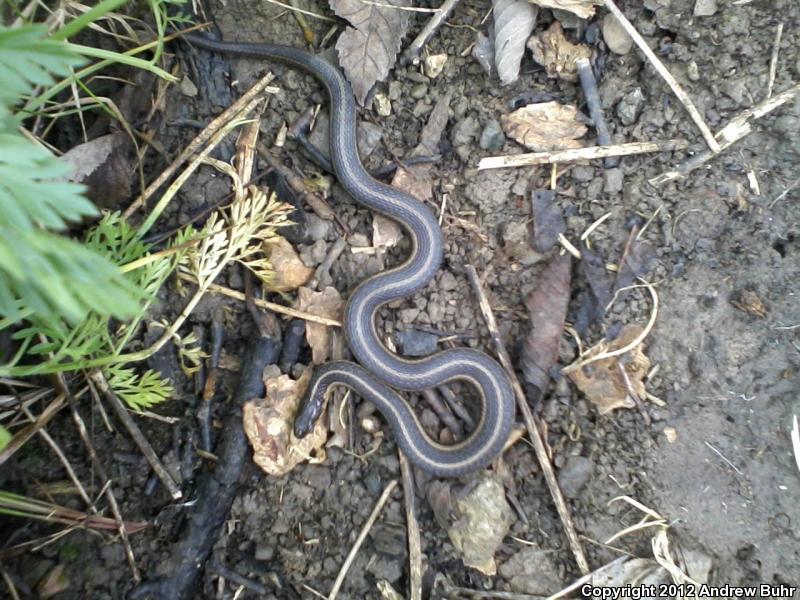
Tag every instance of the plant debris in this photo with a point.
(603, 381)
(545, 126)
(268, 425)
(583, 8)
(557, 54)
(548, 220)
(289, 271)
(327, 303)
(513, 22)
(369, 48)
(749, 302)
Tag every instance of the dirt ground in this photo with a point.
(715, 460)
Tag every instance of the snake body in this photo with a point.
(380, 370)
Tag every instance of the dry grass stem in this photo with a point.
(414, 543)
(773, 63)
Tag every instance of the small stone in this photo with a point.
(583, 173)
(382, 105)
(447, 281)
(574, 475)
(368, 136)
(385, 568)
(408, 315)
(317, 228)
(735, 89)
(389, 540)
(615, 36)
(630, 107)
(395, 90)
(613, 179)
(434, 65)
(413, 342)
(265, 552)
(464, 132)
(531, 571)
(693, 71)
(705, 8)
(188, 88)
(492, 137)
(318, 252)
(419, 91)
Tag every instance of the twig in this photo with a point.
(237, 578)
(773, 63)
(442, 411)
(562, 156)
(361, 537)
(736, 129)
(531, 422)
(785, 192)
(138, 437)
(23, 435)
(278, 308)
(414, 545)
(411, 55)
(664, 72)
(592, 94)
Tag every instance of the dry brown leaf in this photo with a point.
(749, 302)
(385, 232)
(603, 383)
(268, 424)
(556, 53)
(583, 8)
(327, 303)
(368, 49)
(55, 582)
(545, 126)
(290, 272)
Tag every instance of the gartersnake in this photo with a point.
(381, 370)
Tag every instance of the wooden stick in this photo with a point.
(411, 55)
(664, 72)
(736, 129)
(561, 156)
(414, 544)
(531, 422)
(773, 63)
(138, 437)
(361, 537)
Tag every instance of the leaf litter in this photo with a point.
(514, 21)
(545, 126)
(327, 303)
(556, 53)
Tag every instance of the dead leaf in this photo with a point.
(385, 232)
(290, 272)
(749, 302)
(547, 310)
(583, 8)
(513, 22)
(268, 424)
(104, 165)
(556, 53)
(327, 303)
(594, 268)
(369, 48)
(545, 126)
(55, 582)
(548, 220)
(603, 383)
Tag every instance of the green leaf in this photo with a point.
(5, 437)
(138, 391)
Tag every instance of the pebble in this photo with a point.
(265, 552)
(382, 105)
(483, 52)
(531, 571)
(434, 65)
(492, 136)
(318, 251)
(630, 107)
(395, 90)
(408, 315)
(447, 281)
(436, 312)
(386, 568)
(389, 540)
(615, 36)
(705, 8)
(419, 91)
(613, 179)
(583, 173)
(369, 135)
(693, 71)
(413, 342)
(317, 228)
(574, 475)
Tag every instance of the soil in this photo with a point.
(715, 460)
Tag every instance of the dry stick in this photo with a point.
(664, 72)
(414, 544)
(562, 156)
(531, 422)
(98, 466)
(278, 308)
(361, 537)
(736, 129)
(411, 55)
(138, 437)
(23, 435)
(773, 63)
(198, 142)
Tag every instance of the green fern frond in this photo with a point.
(139, 391)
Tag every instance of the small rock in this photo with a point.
(319, 250)
(492, 137)
(574, 475)
(395, 90)
(613, 179)
(408, 315)
(435, 312)
(531, 571)
(447, 281)
(265, 552)
(382, 105)
(583, 173)
(317, 228)
(413, 342)
(615, 36)
(630, 107)
(368, 136)
(419, 91)
(705, 8)
(693, 71)
(188, 88)
(389, 540)
(465, 131)
(735, 89)
(434, 65)
(385, 568)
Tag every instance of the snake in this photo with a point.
(377, 372)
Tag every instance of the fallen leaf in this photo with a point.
(556, 53)
(385, 232)
(290, 272)
(749, 302)
(548, 220)
(583, 8)
(327, 303)
(545, 126)
(369, 48)
(594, 269)
(104, 165)
(268, 425)
(547, 311)
(513, 22)
(603, 383)
(55, 582)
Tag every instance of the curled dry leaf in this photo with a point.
(583, 8)
(268, 425)
(602, 381)
(544, 127)
(368, 49)
(513, 22)
(290, 272)
(327, 303)
(556, 53)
